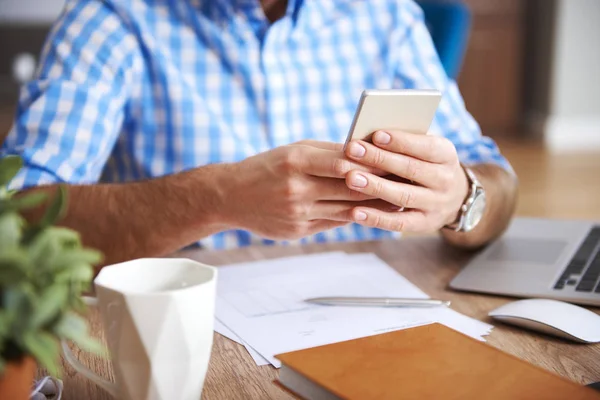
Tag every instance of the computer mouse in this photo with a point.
(552, 317)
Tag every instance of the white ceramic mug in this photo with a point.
(158, 315)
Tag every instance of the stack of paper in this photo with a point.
(261, 304)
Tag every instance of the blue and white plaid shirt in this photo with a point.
(135, 89)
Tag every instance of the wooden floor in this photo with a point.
(551, 185)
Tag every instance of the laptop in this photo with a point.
(553, 259)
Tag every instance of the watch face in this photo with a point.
(475, 212)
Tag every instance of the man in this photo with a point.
(217, 122)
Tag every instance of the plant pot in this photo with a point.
(15, 383)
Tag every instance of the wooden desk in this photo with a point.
(427, 262)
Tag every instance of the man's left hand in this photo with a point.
(438, 189)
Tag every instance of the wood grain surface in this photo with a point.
(427, 262)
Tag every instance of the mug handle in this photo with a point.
(82, 369)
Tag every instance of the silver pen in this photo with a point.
(377, 302)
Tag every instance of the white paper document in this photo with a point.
(225, 331)
(261, 304)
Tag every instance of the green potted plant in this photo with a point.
(43, 271)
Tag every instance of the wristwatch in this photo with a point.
(471, 212)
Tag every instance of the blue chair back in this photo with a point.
(449, 23)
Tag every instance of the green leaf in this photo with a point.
(42, 250)
(11, 276)
(10, 230)
(14, 266)
(56, 208)
(55, 249)
(6, 205)
(29, 233)
(5, 320)
(17, 305)
(91, 345)
(48, 306)
(14, 257)
(78, 256)
(74, 259)
(68, 238)
(9, 166)
(15, 300)
(74, 327)
(71, 326)
(44, 348)
(80, 273)
(29, 200)
(23, 202)
(77, 303)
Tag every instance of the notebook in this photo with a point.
(426, 362)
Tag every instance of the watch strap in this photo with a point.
(474, 186)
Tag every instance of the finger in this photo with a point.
(378, 204)
(406, 221)
(396, 178)
(327, 163)
(324, 225)
(332, 189)
(332, 211)
(342, 210)
(423, 172)
(400, 194)
(321, 145)
(430, 148)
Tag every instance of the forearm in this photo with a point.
(501, 197)
(145, 219)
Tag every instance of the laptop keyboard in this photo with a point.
(584, 268)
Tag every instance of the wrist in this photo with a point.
(211, 193)
(464, 190)
(473, 206)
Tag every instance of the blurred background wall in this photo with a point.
(531, 69)
(23, 28)
(573, 118)
(29, 11)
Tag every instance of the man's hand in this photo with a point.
(434, 198)
(293, 191)
(285, 193)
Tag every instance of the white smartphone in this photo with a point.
(408, 110)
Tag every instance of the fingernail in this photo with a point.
(356, 150)
(359, 181)
(382, 137)
(360, 216)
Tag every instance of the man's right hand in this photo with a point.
(292, 191)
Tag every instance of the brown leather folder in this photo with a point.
(426, 362)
